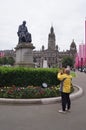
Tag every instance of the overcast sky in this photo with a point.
(66, 16)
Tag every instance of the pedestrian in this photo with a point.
(65, 88)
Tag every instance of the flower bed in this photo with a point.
(29, 92)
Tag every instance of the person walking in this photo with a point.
(65, 88)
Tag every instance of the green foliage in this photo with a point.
(7, 61)
(11, 61)
(22, 77)
(3, 61)
(73, 74)
(67, 61)
(29, 82)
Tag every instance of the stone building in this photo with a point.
(52, 55)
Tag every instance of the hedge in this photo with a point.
(23, 77)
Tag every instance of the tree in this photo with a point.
(4, 60)
(11, 61)
(67, 61)
(7, 61)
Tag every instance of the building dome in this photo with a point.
(73, 45)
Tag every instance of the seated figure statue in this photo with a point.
(23, 34)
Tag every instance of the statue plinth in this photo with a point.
(24, 55)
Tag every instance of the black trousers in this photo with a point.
(65, 101)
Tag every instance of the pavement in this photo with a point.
(46, 116)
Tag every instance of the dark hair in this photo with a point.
(67, 71)
(24, 22)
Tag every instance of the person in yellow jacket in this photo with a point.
(65, 88)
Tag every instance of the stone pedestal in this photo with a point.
(45, 64)
(24, 55)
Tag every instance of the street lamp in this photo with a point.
(81, 64)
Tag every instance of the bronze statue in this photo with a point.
(23, 34)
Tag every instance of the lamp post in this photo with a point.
(78, 63)
(81, 64)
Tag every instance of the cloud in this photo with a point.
(67, 17)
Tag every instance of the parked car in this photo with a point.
(85, 70)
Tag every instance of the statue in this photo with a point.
(23, 34)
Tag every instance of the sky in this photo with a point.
(66, 16)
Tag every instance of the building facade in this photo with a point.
(81, 55)
(52, 55)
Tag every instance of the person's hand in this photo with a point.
(61, 72)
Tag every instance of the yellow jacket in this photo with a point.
(66, 81)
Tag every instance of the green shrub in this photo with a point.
(22, 77)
